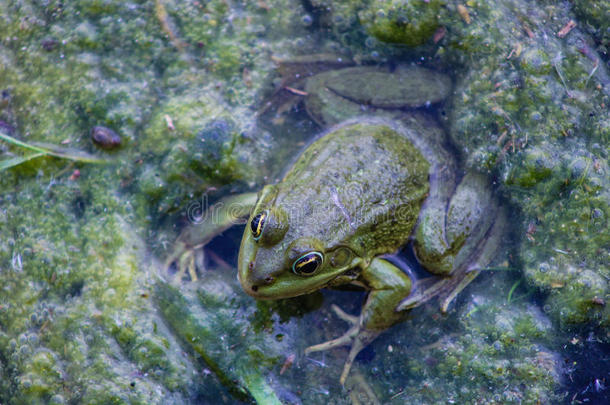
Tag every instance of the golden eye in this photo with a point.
(258, 224)
(307, 264)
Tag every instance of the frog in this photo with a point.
(380, 176)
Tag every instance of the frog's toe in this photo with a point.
(179, 250)
(184, 258)
(447, 297)
(344, 340)
(344, 315)
(360, 391)
(357, 337)
(186, 264)
(361, 340)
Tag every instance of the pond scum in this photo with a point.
(86, 315)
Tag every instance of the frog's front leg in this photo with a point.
(214, 221)
(388, 286)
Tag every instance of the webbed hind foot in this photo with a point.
(356, 336)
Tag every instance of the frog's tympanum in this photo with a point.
(380, 177)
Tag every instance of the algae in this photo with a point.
(84, 315)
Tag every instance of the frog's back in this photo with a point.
(361, 184)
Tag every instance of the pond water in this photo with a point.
(122, 123)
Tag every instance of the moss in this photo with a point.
(198, 145)
(407, 23)
(564, 244)
(593, 16)
(70, 278)
(238, 369)
(227, 60)
(77, 322)
(495, 351)
(535, 61)
(530, 111)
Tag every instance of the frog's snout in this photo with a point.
(251, 282)
(259, 268)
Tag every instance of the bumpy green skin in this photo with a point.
(355, 192)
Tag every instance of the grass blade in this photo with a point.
(52, 150)
(68, 153)
(17, 160)
(17, 142)
(512, 290)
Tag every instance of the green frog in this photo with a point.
(379, 178)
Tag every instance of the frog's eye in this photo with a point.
(269, 226)
(258, 224)
(307, 264)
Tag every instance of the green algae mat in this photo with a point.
(205, 97)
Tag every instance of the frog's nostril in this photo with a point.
(257, 284)
(250, 265)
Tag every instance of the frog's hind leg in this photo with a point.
(425, 290)
(356, 336)
(215, 220)
(388, 285)
(484, 255)
(446, 289)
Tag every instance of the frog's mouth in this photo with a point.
(288, 285)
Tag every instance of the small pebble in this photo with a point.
(49, 44)
(105, 138)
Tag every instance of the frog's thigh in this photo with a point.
(472, 212)
(431, 246)
(389, 285)
(444, 240)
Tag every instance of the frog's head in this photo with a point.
(277, 261)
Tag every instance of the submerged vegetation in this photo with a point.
(84, 313)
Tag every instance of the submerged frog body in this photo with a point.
(361, 190)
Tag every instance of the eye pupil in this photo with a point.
(307, 264)
(258, 224)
